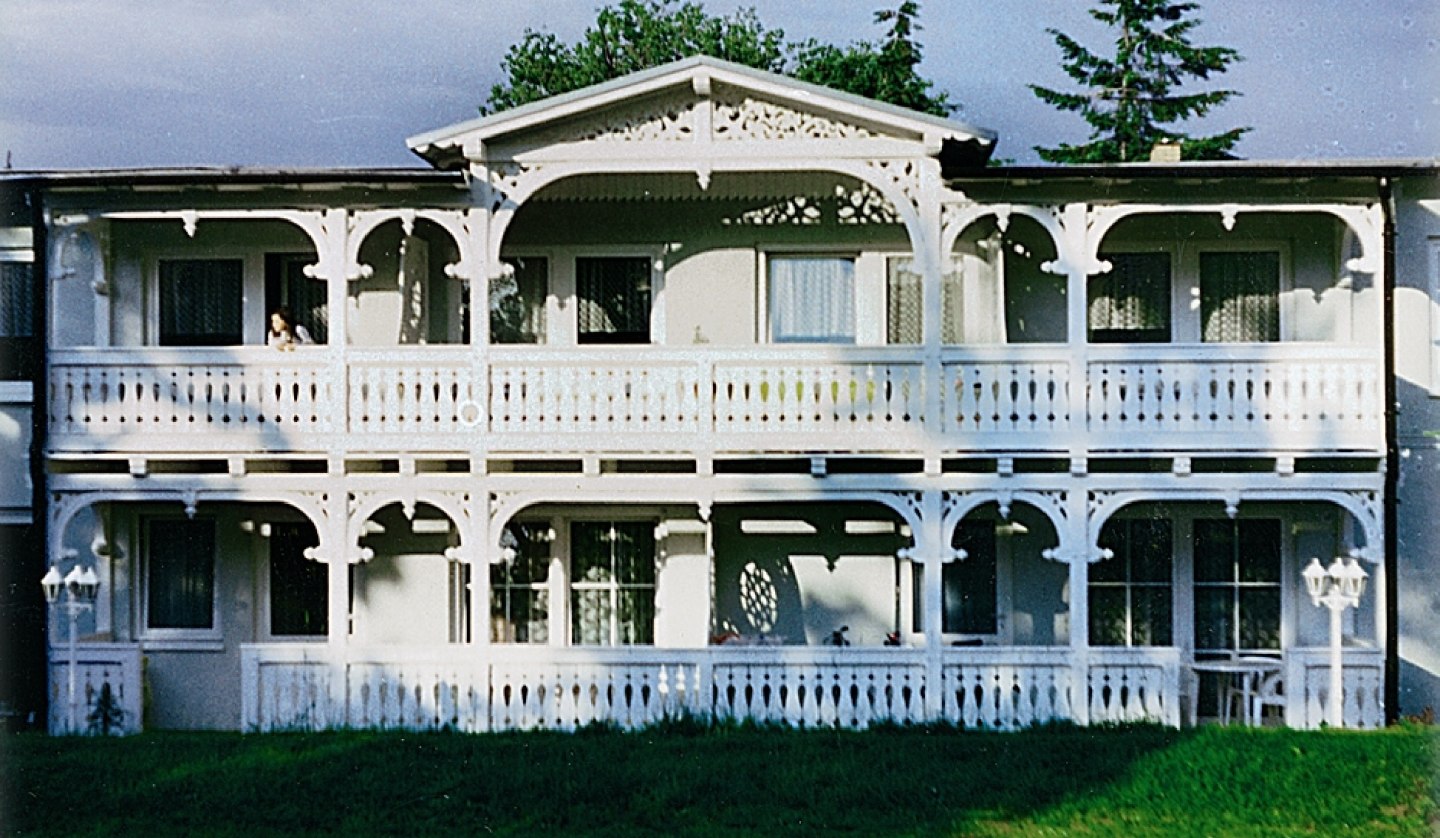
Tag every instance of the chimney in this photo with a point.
(1165, 151)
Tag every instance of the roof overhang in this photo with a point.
(699, 77)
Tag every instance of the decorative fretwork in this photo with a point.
(904, 175)
(509, 183)
(864, 205)
(740, 117)
(670, 120)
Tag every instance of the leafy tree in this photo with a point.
(1131, 99)
(637, 34)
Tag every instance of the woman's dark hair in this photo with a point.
(284, 314)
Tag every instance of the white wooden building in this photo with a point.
(645, 397)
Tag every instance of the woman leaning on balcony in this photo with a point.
(284, 333)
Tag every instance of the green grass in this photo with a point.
(728, 781)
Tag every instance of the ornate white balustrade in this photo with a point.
(299, 686)
(107, 696)
(1363, 682)
(530, 400)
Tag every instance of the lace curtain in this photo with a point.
(1239, 297)
(812, 300)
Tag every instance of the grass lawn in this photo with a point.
(728, 781)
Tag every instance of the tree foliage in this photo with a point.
(638, 34)
(1131, 99)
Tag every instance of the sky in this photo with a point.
(321, 83)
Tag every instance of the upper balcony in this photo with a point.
(759, 315)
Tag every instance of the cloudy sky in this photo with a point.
(121, 83)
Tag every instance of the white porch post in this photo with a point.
(1079, 560)
(931, 548)
(1074, 250)
(478, 556)
(338, 557)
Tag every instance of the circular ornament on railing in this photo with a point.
(469, 413)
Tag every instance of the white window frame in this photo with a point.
(870, 301)
(253, 322)
(179, 638)
(1186, 294)
(568, 580)
(554, 310)
(562, 309)
(546, 584)
(1178, 307)
(264, 585)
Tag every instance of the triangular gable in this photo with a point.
(697, 99)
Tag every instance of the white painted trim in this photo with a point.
(17, 393)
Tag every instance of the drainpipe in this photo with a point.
(1392, 461)
(39, 429)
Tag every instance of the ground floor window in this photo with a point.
(180, 573)
(612, 583)
(1131, 593)
(519, 586)
(299, 587)
(967, 586)
(1237, 585)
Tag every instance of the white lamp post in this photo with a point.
(1336, 588)
(74, 594)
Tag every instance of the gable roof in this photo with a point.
(443, 147)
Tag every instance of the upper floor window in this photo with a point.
(201, 302)
(1240, 297)
(904, 302)
(812, 299)
(517, 301)
(1130, 303)
(180, 574)
(614, 297)
(286, 285)
(17, 310)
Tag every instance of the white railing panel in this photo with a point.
(396, 397)
(808, 689)
(1016, 399)
(1134, 685)
(100, 670)
(837, 400)
(445, 692)
(1273, 396)
(244, 399)
(1006, 688)
(1363, 682)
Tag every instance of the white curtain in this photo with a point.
(812, 300)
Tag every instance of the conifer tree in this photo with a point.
(1131, 99)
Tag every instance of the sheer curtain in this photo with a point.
(1131, 303)
(812, 300)
(1239, 297)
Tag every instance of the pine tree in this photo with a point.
(1131, 99)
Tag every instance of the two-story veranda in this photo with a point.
(649, 394)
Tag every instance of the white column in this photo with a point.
(1077, 516)
(338, 555)
(1074, 254)
(931, 549)
(478, 554)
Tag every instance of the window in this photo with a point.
(519, 587)
(17, 310)
(180, 586)
(299, 587)
(1131, 592)
(1240, 297)
(1131, 303)
(201, 302)
(517, 302)
(612, 583)
(904, 302)
(1237, 585)
(968, 585)
(614, 299)
(287, 285)
(812, 299)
